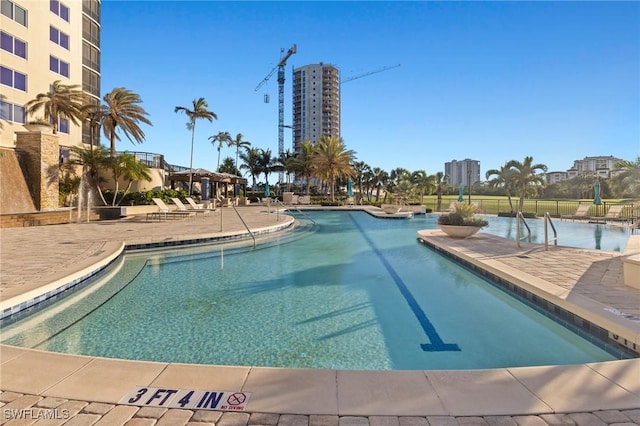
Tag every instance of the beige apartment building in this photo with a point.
(43, 41)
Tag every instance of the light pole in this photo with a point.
(469, 183)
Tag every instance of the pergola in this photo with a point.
(221, 184)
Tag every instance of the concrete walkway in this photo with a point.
(50, 388)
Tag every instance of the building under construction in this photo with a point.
(316, 103)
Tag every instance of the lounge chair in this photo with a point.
(582, 212)
(164, 212)
(195, 206)
(183, 208)
(614, 214)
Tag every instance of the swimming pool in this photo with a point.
(353, 292)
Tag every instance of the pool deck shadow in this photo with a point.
(586, 282)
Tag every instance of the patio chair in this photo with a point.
(164, 212)
(195, 206)
(582, 212)
(183, 208)
(615, 214)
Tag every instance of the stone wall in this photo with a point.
(41, 153)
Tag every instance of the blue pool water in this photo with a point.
(352, 292)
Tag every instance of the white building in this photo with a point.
(555, 177)
(465, 172)
(316, 103)
(593, 166)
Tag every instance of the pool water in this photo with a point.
(352, 292)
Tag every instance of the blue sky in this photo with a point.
(490, 81)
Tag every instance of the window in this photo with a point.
(91, 8)
(90, 31)
(11, 112)
(90, 56)
(59, 66)
(63, 125)
(13, 45)
(58, 37)
(59, 9)
(15, 12)
(12, 78)
(91, 82)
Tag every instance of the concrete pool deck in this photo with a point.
(90, 388)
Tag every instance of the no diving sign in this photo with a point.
(186, 398)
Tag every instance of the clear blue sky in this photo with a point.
(490, 81)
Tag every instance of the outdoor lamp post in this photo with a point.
(469, 183)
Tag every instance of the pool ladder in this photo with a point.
(519, 221)
(547, 221)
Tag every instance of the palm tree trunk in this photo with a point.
(193, 131)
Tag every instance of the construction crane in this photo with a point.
(280, 68)
(368, 73)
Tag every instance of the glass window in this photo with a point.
(15, 12)
(20, 48)
(64, 68)
(53, 63)
(64, 12)
(19, 114)
(54, 6)
(6, 111)
(56, 65)
(59, 9)
(63, 125)
(58, 37)
(6, 42)
(64, 40)
(6, 76)
(20, 81)
(54, 34)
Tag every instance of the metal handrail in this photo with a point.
(244, 223)
(291, 207)
(520, 218)
(547, 219)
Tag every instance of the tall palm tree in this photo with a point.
(379, 179)
(62, 101)
(251, 159)
(222, 138)
(503, 179)
(525, 177)
(239, 143)
(285, 160)
(333, 160)
(440, 179)
(122, 112)
(303, 163)
(198, 112)
(268, 164)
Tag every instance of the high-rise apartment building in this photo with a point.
(316, 103)
(600, 166)
(465, 172)
(43, 41)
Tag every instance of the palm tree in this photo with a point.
(361, 169)
(525, 176)
(239, 143)
(62, 101)
(379, 180)
(503, 178)
(122, 112)
(228, 166)
(92, 161)
(221, 138)
(303, 163)
(627, 178)
(423, 183)
(199, 111)
(126, 166)
(440, 179)
(333, 160)
(251, 159)
(268, 164)
(285, 159)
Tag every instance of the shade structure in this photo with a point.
(267, 192)
(350, 188)
(596, 193)
(461, 193)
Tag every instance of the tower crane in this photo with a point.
(369, 73)
(280, 68)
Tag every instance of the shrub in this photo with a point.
(463, 215)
